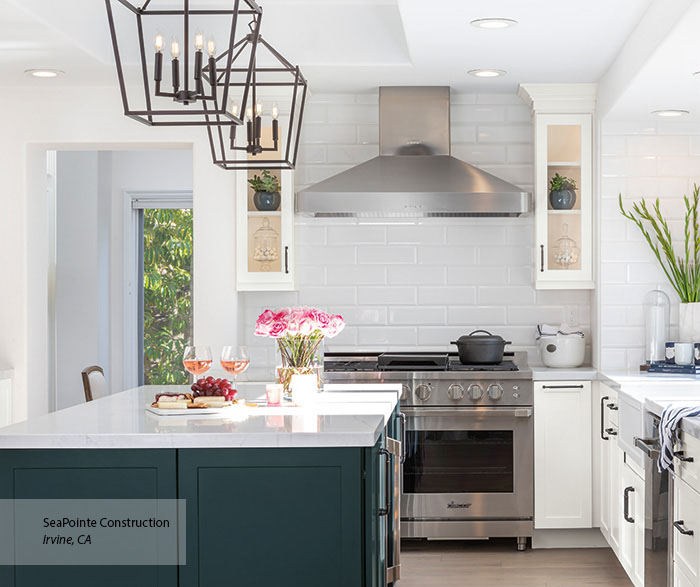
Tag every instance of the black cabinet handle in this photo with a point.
(387, 481)
(679, 526)
(602, 417)
(542, 258)
(626, 502)
(611, 431)
(562, 387)
(286, 259)
(679, 454)
(613, 407)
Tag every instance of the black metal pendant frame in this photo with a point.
(197, 113)
(222, 140)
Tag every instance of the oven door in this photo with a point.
(468, 464)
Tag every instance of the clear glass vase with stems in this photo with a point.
(299, 355)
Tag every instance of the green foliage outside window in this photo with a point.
(167, 294)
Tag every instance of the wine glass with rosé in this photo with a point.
(235, 360)
(197, 359)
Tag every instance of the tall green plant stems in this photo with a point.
(682, 270)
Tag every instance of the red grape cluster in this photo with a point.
(208, 386)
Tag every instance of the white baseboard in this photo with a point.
(569, 538)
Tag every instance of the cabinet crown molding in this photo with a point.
(556, 98)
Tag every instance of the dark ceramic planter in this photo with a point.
(267, 201)
(562, 199)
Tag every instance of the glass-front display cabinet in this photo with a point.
(563, 185)
(265, 233)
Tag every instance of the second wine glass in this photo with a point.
(235, 360)
(197, 359)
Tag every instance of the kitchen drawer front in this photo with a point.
(688, 471)
(686, 516)
(680, 579)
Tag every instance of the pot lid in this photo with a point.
(485, 338)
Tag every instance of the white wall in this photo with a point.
(92, 202)
(418, 284)
(639, 159)
(79, 252)
(84, 119)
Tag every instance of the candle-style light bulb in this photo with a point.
(275, 111)
(198, 41)
(211, 47)
(259, 108)
(234, 109)
(159, 43)
(249, 113)
(175, 49)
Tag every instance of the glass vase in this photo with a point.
(284, 370)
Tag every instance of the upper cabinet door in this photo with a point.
(265, 235)
(564, 217)
(563, 120)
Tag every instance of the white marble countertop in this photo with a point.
(344, 415)
(574, 374)
(626, 379)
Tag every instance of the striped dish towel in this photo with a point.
(668, 432)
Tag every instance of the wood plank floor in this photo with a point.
(490, 563)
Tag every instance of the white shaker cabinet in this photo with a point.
(563, 488)
(265, 256)
(631, 503)
(611, 462)
(563, 122)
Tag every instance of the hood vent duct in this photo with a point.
(414, 174)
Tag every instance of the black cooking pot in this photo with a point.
(480, 350)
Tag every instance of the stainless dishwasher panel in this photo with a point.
(657, 501)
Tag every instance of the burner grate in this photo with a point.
(504, 366)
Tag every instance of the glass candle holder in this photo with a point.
(273, 393)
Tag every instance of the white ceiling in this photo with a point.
(666, 80)
(356, 45)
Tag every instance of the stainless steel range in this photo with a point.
(468, 471)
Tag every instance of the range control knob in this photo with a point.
(405, 390)
(475, 392)
(455, 392)
(495, 391)
(423, 392)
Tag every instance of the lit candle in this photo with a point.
(259, 108)
(249, 124)
(275, 124)
(275, 111)
(198, 44)
(158, 67)
(234, 109)
(211, 47)
(175, 50)
(198, 41)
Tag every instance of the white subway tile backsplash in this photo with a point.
(387, 337)
(416, 274)
(658, 146)
(476, 315)
(356, 274)
(385, 254)
(405, 282)
(356, 234)
(417, 315)
(389, 295)
(477, 276)
(446, 295)
(446, 255)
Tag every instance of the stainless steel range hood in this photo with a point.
(414, 175)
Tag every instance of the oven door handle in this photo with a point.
(468, 412)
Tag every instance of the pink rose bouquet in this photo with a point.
(299, 332)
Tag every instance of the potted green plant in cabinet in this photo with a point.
(267, 188)
(562, 192)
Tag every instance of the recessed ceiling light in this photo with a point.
(494, 23)
(670, 113)
(486, 72)
(44, 72)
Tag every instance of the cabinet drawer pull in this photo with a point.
(602, 417)
(626, 502)
(612, 407)
(562, 387)
(611, 431)
(286, 259)
(387, 479)
(679, 454)
(679, 526)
